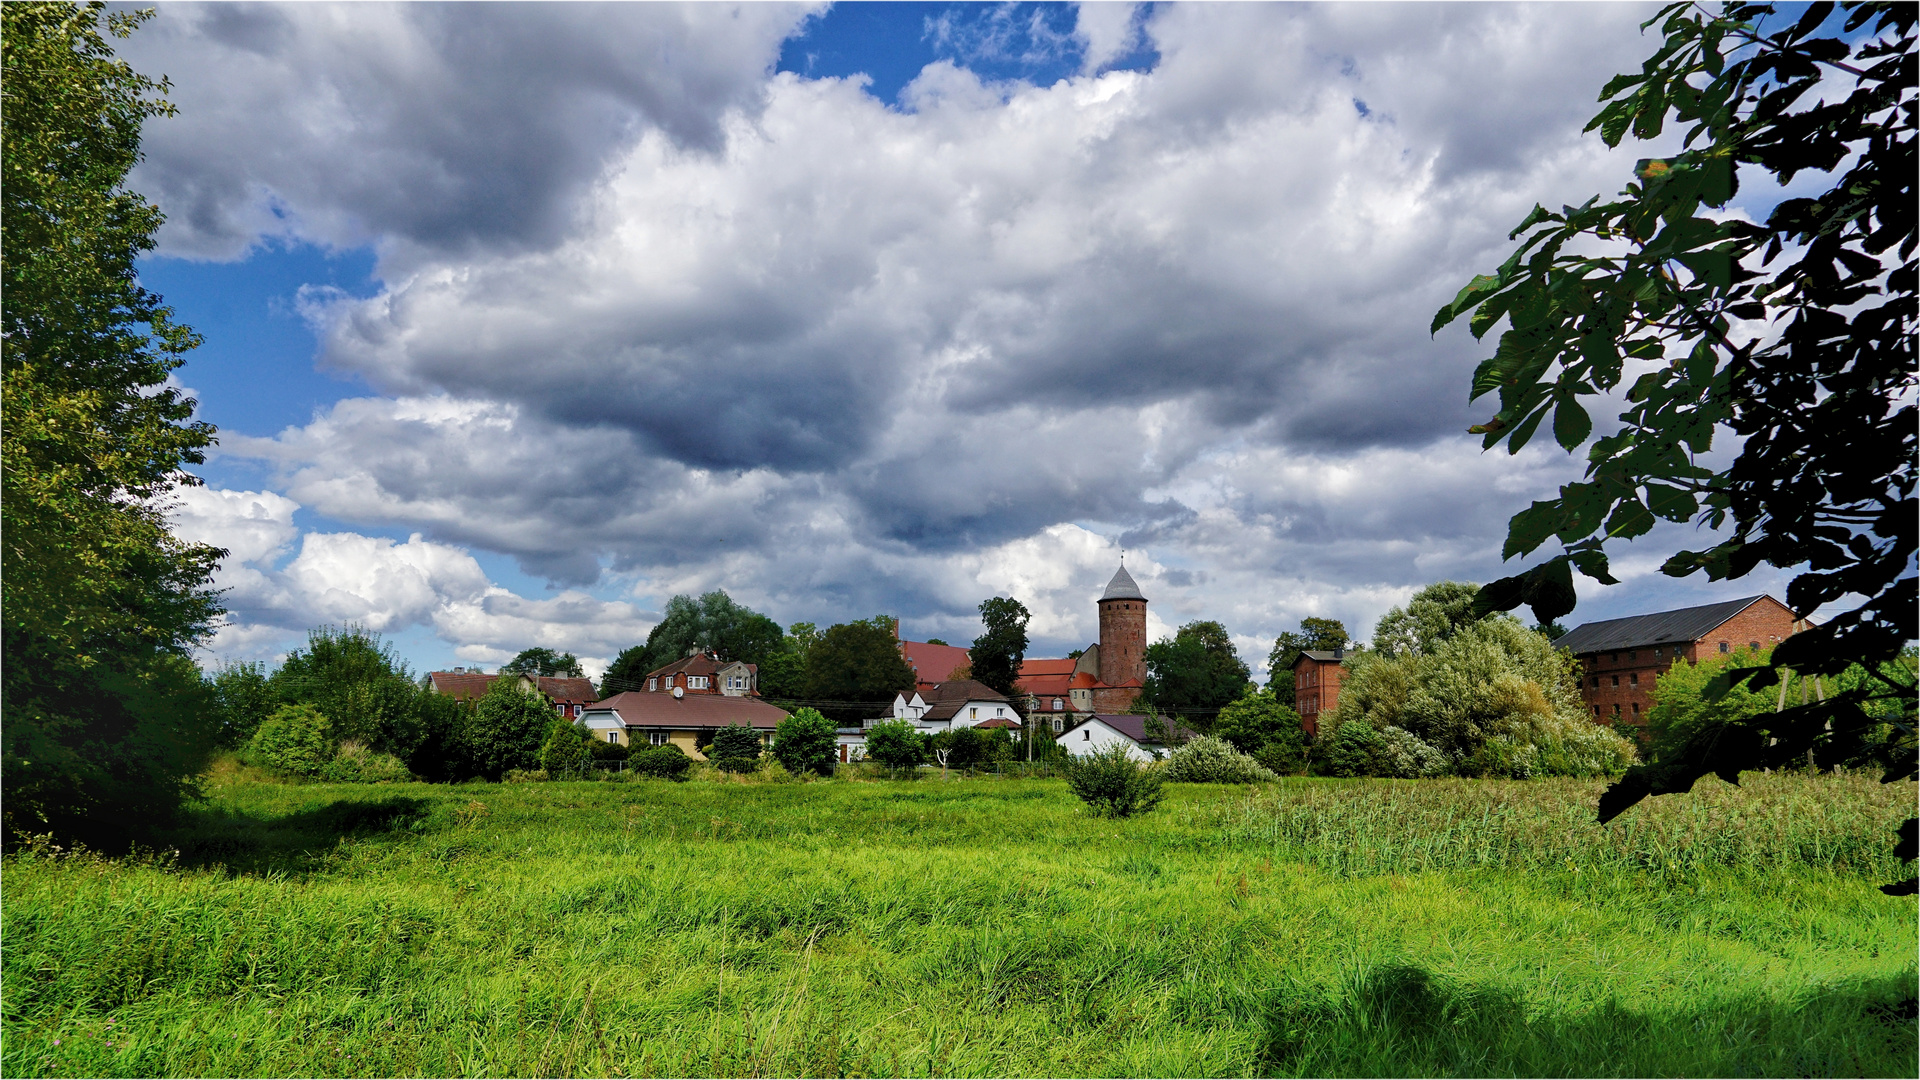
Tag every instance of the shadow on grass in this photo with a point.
(300, 843)
(1399, 1020)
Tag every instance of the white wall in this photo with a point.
(1095, 736)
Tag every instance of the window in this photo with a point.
(1616, 712)
(1059, 725)
(1633, 680)
(1616, 680)
(999, 711)
(1723, 646)
(1086, 736)
(657, 738)
(972, 713)
(653, 684)
(1636, 708)
(1057, 703)
(613, 736)
(1754, 645)
(1613, 658)
(1596, 712)
(1596, 682)
(1656, 652)
(576, 710)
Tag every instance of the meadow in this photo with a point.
(973, 927)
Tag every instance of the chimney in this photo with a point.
(1339, 653)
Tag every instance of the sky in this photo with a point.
(521, 319)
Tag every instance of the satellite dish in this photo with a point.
(679, 692)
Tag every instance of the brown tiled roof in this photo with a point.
(999, 722)
(462, 686)
(961, 690)
(932, 663)
(1060, 666)
(637, 708)
(567, 691)
(949, 708)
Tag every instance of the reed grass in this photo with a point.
(972, 927)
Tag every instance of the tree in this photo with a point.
(1260, 726)
(107, 720)
(996, 655)
(713, 623)
(896, 744)
(357, 680)
(805, 742)
(1196, 671)
(1316, 634)
(242, 699)
(1433, 615)
(1493, 699)
(567, 752)
(735, 748)
(627, 672)
(936, 641)
(505, 730)
(1809, 361)
(783, 673)
(297, 740)
(857, 666)
(544, 662)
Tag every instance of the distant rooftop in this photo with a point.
(1122, 587)
(1660, 628)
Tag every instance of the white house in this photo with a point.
(1101, 730)
(956, 703)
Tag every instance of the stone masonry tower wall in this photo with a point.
(1123, 642)
(1123, 633)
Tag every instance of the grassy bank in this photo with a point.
(978, 927)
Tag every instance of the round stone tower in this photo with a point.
(1123, 632)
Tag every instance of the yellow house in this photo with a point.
(637, 718)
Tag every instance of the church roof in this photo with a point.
(1122, 587)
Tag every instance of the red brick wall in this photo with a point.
(1766, 622)
(1123, 642)
(1316, 690)
(1114, 699)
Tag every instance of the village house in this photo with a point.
(956, 703)
(686, 719)
(703, 673)
(1108, 676)
(1092, 734)
(1317, 676)
(1619, 658)
(568, 696)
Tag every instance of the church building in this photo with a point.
(1108, 676)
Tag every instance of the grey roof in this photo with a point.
(1660, 628)
(1131, 725)
(1122, 587)
(1322, 655)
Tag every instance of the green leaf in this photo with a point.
(1713, 267)
(1671, 503)
(1571, 424)
(1593, 563)
(1530, 528)
(1549, 590)
(1629, 519)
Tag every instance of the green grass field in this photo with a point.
(975, 927)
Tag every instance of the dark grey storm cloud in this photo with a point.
(454, 127)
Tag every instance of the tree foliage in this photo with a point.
(107, 722)
(1208, 760)
(360, 683)
(896, 744)
(1431, 616)
(1262, 727)
(996, 655)
(805, 742)
(1112, 784)
(242, 698)
(1196, 671)
(567, 752)
(1795, 333)
(544, 662)
(296, 740)
(858, 663)
(504, 731)
(735, 748)
(1494, 699)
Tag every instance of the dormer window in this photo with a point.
(653, 683)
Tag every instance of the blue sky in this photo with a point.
(514, 332)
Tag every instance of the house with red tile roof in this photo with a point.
(956, 703)
(568, 696)
(1108, 676)
(932, 662)
(704, 673)
(687, 720)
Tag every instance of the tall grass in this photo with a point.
(1842, 824)
(962, 928)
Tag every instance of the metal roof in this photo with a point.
(1660, 628)
(1122, 587)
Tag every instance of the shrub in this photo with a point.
(1112, 784)
(506, 730)
(805, 742)
(1350, 752)
(896, 744)
(1401, 753)
(524, 776)
(1287, 754)
(666, 761)
(1256, 720)
(1215, 761)
(735, 749)
(566, 752)
(355, 764)
(965, 747)
(603, 751)
(295, 741)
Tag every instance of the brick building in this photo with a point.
(703, 673)
(1620, 657)
(1317, 676)
(1109, 675)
